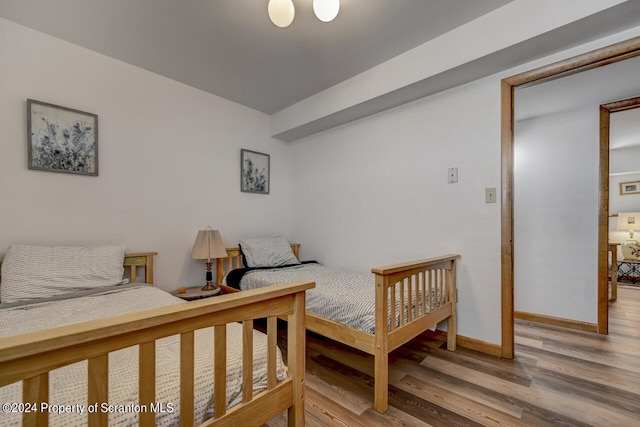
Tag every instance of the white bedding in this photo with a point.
(68, 385)
(343, 296)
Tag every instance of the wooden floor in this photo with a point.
(559, 377)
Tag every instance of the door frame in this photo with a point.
(587, 61)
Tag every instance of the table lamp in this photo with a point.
(208, 245)
(630, 221)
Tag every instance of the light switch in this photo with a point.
(490, 195)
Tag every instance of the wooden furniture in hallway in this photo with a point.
(613, 271)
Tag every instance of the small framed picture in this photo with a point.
(254, 172)
(632, 187)
(61, 139)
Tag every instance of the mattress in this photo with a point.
(343, 296)
(68, 385)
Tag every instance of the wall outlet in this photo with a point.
(452, 175)
(490, 195)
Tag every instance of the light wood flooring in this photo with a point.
(559, 377)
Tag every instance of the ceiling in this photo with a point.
(625, 129)
(588, 89)
(230, 47)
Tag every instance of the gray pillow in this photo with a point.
(32, 272)
(267, 252)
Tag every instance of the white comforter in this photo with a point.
(68, 385)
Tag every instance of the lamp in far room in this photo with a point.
(630, 221)
(208, 245)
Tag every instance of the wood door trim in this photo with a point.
(596, 58)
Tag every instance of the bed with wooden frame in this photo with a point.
(30, 357)
(433, 280)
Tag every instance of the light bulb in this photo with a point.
(326, 10)
(281, 12)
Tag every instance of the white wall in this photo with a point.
(374, 191)
(556, 214)
(624, 160)
(169, 159)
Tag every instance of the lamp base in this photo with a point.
(631, 250)
(209, 286)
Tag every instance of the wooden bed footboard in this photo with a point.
(429, 287)
(30, 357)
(427, 294)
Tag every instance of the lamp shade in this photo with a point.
(629, 221)
(208, 245)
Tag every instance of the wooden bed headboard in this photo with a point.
(131, 264)
(142, 260)
(234, 260)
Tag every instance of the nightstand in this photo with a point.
(196, 293)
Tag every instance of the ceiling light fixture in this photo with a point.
(326, 10)
(282, 12)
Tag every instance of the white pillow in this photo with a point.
(31, 272)
(267, 252)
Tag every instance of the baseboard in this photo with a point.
(556, 321)
(478, 345)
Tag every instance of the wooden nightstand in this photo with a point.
(196, 293)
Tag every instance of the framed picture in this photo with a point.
(61, 139)
(254, 172)
(632, 187)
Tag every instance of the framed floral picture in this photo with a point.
(254, 172)
(61, 139)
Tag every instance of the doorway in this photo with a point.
(620, 127)
(591, 60)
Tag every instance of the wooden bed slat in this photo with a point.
(140, 259)
(402, 305)
(423, 289)
(392, 290)
(220, 371)
(186, 378)
(35, 389)
(410, 300)
(272, 341)
(418, 326)
(98, 392)
(452, 325)
(381, 350)
(296, 359)
(247, 360)
(147, 381)
(262, 408)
